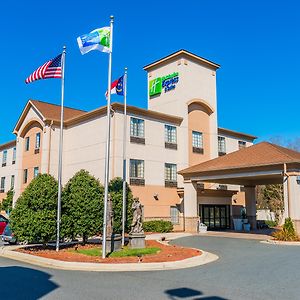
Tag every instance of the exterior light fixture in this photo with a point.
(155, 196)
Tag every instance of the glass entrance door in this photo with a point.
(215, 217)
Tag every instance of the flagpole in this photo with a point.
(107, 154)
(63, 58)
(124, 158)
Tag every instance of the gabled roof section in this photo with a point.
(52, 111)
(48, 112)
(262, 154)
(182, 53)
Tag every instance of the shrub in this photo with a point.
(158, 226)
(116, 191)
(271, 223)
(82, 206)
(287, 233)
(7, 202)
(34, 217)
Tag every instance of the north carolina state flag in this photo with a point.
(117, 87)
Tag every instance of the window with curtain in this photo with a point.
(197, 139)
(136, 168)
(170, 134)
(170, 172)
(137, 127)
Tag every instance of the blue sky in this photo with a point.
(257, 44)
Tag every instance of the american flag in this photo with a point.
(50, 69)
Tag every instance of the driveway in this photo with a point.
(246, 269)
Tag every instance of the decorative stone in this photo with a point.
(137, 240)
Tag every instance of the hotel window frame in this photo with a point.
(2, 184)
(34, 171)
(25, 176)
(27, 143)
(221, 145)
(12, 182)
(137, 130)
(197, 141)
(170, 136)
(4, 158)
(242, 144)
(37, 141)
(174, 214)
(170, 175)
(14, 155)
(137, 171)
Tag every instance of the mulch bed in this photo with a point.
(167, 253)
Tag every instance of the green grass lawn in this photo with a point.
(122, 253)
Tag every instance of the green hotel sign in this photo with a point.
(166, 83)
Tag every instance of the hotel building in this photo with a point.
(179, 129)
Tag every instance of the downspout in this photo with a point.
(49, 146)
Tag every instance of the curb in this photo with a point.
(280, 243)
(195, 261)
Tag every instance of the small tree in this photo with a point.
(288, 232)
(82, 206)
(116, 191)
(34, 217)
(7, 202)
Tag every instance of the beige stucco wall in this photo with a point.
(8, 171)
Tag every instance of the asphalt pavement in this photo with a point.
(247, 269)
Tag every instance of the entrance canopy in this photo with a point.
(263, 163)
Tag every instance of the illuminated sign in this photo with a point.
(166, 83)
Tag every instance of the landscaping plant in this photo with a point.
(82, 206)
(158, 226)
(288, 232)
(7, 202)
(34, 217)
(115, 189)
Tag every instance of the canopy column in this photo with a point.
(294, 201)
(250, 195)
(190, 206)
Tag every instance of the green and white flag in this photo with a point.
(98, 39)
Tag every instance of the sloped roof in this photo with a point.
(185, 53)
(261, 154)
(52, 111)
(7, 145)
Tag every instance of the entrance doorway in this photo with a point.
(215, 217)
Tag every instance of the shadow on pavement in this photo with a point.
(24, 283)
(191, 294)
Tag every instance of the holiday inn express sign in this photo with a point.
(167, 83)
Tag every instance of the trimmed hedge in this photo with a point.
(158, 226)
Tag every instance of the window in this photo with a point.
(136, 168)
(14, 155)
(27, 142)
(136, 172)
(136, 127)
(35, 172)
(25, 176)
(170, 134)
(242, 145)
(2, 185)
(221, 145)
(38, 140)
(170, 172)
(12, 182)
(197, 142)
(4, 158)
(174, 213)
